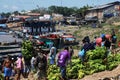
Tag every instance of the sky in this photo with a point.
(19, 5)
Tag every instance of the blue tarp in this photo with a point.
(70, 39)
(3, 25)
(36, 37)
(108, 15)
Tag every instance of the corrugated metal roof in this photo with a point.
(105, 5)
(100, 7)
(24, 17)
(33, 14)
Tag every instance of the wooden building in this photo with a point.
(106, 10)
(38, 27)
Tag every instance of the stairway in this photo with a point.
(12, 50)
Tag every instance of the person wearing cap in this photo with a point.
(19, 67)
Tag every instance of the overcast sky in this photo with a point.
(13, 5)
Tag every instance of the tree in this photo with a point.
(52, 9)
(62, 10)
(16, 13)
(68, 11)
(82, 11)
(43, 10)
(74, 8)
(23, 12)
(5, 15)
(27, 49)
(40, 10)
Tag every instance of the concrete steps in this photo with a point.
(12, 50)
(9, 47)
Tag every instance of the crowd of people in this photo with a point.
(14, 69)
(38, 62)
(9, 67)
(107, 40)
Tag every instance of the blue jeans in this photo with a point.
(63, 72)
(26, 69)
(52, 61)
(32, 67)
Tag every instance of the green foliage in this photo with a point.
(53, 72)
(68, 11)
(112, 65)
(72, 71)
(27, 49)
(74, 57)
(98, 53)
(81, 74)
(113, 61)
(76, 32)
(1, 76)
(61, 10)
(97, 61)
(117, 57)
(6, 14)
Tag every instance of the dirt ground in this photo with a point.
(80, 33)
(99, 76)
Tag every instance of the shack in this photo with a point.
(37, 27)
(104, 11)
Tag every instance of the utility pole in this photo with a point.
(61, 3)
(38, 8)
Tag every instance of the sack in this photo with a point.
(81, 53)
